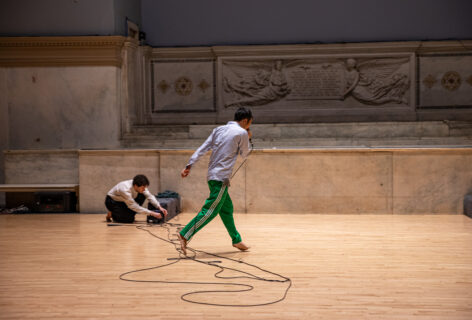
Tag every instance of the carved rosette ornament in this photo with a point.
(429, 81)
(203, 85)
(183, 86)
(469, 80)
(451, 80)
(163, 85)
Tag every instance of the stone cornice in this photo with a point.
(121, 152)
(418, 47)
(183, 53)
(63, 51)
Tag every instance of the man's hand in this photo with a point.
(164, 211)
(249, 133)
(185, 172)
(157, 215)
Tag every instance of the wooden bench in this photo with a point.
(41, 187)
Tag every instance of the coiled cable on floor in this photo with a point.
(239, 287)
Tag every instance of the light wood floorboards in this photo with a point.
(67, 266)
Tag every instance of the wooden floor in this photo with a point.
(67, 266)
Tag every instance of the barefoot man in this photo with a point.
(225, 142)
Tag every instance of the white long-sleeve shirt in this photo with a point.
(226, 142)
(125, 192)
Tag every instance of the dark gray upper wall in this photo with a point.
(126, 9)
(67, 17)
(170, 23)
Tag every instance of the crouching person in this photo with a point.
(125, 200)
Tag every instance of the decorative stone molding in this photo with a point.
(334, 85)
(63, 51)
(451, 80)
(429, 81)
(445, 80)
(418, 47)
(183, 53)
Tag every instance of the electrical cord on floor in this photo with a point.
(241, 287)
(246, 275)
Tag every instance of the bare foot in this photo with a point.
(108, 217)
(241, 246)
(183, 243)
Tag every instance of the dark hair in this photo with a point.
(242, 113)
(140, 180)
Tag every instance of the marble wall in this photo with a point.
(61, 93)
(431, 181)
(62, 107)
(362, 82)
(372, 181)
(41, 166)
(333, 181)
(319, 182)
(4, 128)
(56, 98)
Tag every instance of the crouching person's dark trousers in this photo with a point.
(120, 211)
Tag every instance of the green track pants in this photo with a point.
(219, 202)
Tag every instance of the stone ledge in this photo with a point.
(419, 47)
(62, 51)
(417, 149)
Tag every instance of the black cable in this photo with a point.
(242, 287)
(244, 161)
(184, 297)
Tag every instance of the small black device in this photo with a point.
(152, 219)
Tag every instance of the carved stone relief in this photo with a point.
(451, 80)
(444, 80)
(429, 81)
(181, 86)
(309, 81)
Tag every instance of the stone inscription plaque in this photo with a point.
(317, 82)
(361, 80)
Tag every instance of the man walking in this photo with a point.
(226, 142)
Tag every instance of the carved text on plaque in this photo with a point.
(322, 81)
(370, 81)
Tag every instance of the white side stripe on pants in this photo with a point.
(207, 214)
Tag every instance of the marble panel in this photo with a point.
(427, 183)
(315, 81)
(200, 131)
(445, 80)
(183, 85)
(63, 107)
(99, 171)
(40, 167)
(383, 181)
(319, 182)
(194, 188)
(3, 128)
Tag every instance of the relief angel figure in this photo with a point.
(377, 81)
(259, 88)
